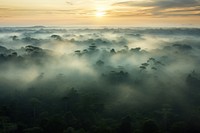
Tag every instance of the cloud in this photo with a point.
(163, 7)
(69, 3)
(161, 3)
(73, 11)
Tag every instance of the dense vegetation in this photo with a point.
(99, 80)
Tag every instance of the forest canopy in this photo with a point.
(106, 80)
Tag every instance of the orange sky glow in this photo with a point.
(100, 12)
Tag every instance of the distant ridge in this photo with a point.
(37, 26)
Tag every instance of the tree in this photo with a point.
(125, 126)
(35, 102)
(149, 126)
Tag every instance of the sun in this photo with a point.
(100, 12)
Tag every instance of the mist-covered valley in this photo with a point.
(99, 80)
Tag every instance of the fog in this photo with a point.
(126, 72)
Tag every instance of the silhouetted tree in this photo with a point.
(149, 126)
(126, 126)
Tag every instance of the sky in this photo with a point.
(100, 12)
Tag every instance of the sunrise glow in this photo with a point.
(100, 12)
(114, 12)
